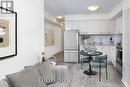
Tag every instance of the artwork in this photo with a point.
(8, 34)
(4, 33)
(49, 37)
(52, 36)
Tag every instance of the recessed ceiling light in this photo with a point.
(59, 17)
(93, 8)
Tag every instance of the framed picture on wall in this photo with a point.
(8, 34)
(52, 38)
(49, 37)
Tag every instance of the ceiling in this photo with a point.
(75, 7)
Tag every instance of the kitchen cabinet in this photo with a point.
(119, 25)
(72, 25)
(71, 56)
(110, 51)
(105, 50)
(68, 25)
(92, 26)
(113, 55)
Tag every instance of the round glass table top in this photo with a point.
(96, 53)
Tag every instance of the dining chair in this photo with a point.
(83, 58)
(100, 62)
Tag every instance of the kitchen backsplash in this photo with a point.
(106, 39)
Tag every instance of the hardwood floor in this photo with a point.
(79, 79)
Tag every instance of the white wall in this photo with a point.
(30, 36)
(126, 4)
(126, 43)
(51, 50)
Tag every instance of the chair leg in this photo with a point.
(106, 72)
(99, 74)
(100, 71)
(81, 63)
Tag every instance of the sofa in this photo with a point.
(39, 75)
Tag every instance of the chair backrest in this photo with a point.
(83, 53)
(89, 48)
(103, 58)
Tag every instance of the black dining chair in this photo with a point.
(83, 58)
(100, 62)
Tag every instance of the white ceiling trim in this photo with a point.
(86, 17)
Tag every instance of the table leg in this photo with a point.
(90, 72)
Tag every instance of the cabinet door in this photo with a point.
(71, 56)
(66, 57)
(106, 52)
(83, 27)
(119, 25)
(75, 25)
(99, 48)
(68, 25)
(113, 55)
(111, 27)
(72, 25)
(71, 40)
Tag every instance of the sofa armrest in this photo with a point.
(61, 73)
(4, 83)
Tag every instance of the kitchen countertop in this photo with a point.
(103, 45)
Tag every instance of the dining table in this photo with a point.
(91, 55)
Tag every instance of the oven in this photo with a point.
(119, 60)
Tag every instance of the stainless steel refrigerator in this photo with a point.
(71, 47)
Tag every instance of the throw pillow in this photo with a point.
(47, 72)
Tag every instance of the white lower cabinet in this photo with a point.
(71, 56)
(113, 55)
(110, 51)
(105, 50)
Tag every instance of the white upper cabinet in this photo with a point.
(72, 25)
(119, 25)
(68, 25)
(76, 25)
(110, 27)
(92, 26)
